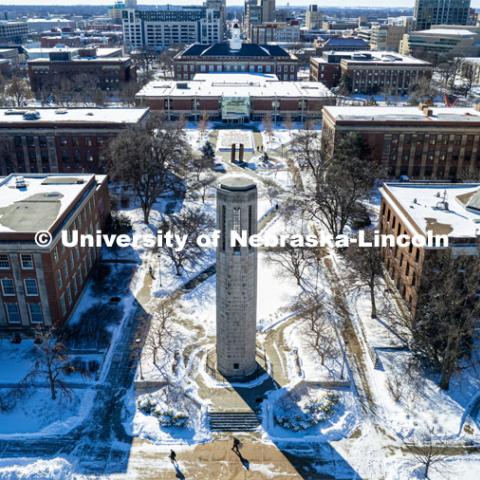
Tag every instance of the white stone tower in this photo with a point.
(236, 279)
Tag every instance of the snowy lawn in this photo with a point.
(32, 411)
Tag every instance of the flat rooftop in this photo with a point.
(422, 206)
(401, 114)
(362, 56)
(101, 52)
(458, 32)
(234, 85)
(73, 115)
(83, 59)
(41, 203)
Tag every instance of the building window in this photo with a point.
(31, 287)
(8, 288)
(236, 366)
(36, 315)
(4, 262)
(26, 261)
(69, 296)
(13, 313)
(59, 279)
(63, 307)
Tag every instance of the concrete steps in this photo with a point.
(233, 421)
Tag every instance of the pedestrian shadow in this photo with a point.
(178, 473)
(238, 453)
(311, 465)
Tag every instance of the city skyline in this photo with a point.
(338, 3)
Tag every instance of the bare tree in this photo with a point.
(427, 450)
(51, 363)
(273, 190)
(292, 260)
(18, 91)
(203, 185)
(148, 158)
(439, 326)
(189, 223)
(368, 268)
(306, 148)
(161, 331)
(341, 182)
(202, 124)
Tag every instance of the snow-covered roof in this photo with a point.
(73, 115)
(420, 205)
(234, 85)
(42, 202)
(459, 32)
(401, 114)
(371, 56)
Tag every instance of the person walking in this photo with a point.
(173, 456)
(236, 445)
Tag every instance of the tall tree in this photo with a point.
(341, 181)
(18, 91)
(148, 158)
(368, 268)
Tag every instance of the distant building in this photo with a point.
(344, 24)
(414, 209)
(345, 44)
(109, 74)
(442, 41)
(38, 25)
(169, 25)
(50, 140)
(40, 286)
(235, 56)
(313, 17)
(423, 143)
(13, 33)
(387, 37)
(277, 32)
(236, 98)
(440, 12)
(50, 41)
(471, 69)
(370, 72)
(257, 12)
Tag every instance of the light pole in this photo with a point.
(139, 350)
(160, 268)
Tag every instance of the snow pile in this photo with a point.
(167, 415)
(304, 407)
(29, 469)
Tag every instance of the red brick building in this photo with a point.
(421, 142)
(237, 98)
(108, 74)
(40, 286)
(61, 140)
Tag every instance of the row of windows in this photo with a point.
(15, 318)
(26, 261)
(30, 286)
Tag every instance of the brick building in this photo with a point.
(40, 286)
(108, 74)
(423, 143)
(370, 72)
(236, 57)
(59, 140)
(414, 209)
(236, 98)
